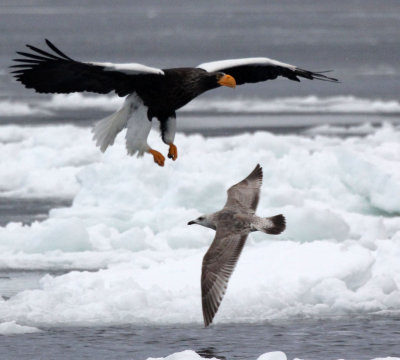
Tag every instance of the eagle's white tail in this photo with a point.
(106, 130)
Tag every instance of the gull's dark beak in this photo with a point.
(191, 222)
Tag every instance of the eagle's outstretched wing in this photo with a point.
(252, 70)
(55, 72)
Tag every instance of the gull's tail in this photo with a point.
(270, 225)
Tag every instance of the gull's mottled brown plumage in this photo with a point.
(232, 224)
(246, 193)
(218, 265)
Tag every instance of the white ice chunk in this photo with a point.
(273, 355)
(183, 355)
(12, 328)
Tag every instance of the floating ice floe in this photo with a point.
(308, 104)
(12, 328)
(18, 108)
(132, 259)
(275, 355)
(299, 105)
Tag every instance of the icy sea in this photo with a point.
(96, 259)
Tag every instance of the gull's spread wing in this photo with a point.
(246, 193)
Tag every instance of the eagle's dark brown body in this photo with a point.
(161, 92)
(175, 89)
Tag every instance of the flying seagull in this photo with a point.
(232, 225)
(150, 92)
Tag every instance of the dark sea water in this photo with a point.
(356, 339)
(27, 210)
(358, 39)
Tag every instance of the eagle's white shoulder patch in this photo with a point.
(226, 64)
(132, 68)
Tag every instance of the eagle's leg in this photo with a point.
(173, 152)
(168, 129)
(158, 157)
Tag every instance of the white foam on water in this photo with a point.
(128, 226)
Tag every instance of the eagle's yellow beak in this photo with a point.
(227, 80)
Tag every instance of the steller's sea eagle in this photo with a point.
(150, 92)
(232, 225)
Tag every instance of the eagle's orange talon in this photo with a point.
(173, 152)
(158, 157)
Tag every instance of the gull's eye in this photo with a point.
(201, 218)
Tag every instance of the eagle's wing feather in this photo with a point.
(57, 73)
(246, 193)
(252, 70)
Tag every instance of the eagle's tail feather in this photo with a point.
(106, 130)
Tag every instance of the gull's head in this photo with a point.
(203, 220)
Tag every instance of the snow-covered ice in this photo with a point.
(135, 260)
(273, 355)
(183, 355)
(343, 104)
(308, 104)
(192, 355)
(12, 328)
